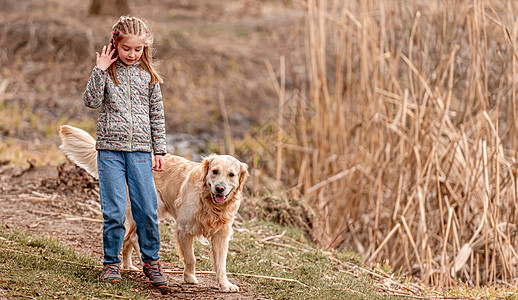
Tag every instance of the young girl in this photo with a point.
(125, 87)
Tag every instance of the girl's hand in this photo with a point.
(159, 163)
(105, 59)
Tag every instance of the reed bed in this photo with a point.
(400, 135)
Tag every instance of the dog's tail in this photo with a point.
(79, 146)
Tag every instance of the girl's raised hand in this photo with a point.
(105, 59)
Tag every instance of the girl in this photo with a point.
(125, 87)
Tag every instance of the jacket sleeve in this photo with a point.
(157, 119)
(94, 93)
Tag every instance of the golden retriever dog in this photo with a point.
(203, 198)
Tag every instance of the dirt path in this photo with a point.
(62, 203)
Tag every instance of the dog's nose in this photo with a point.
(220, 189)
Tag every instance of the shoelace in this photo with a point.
(110, 269)
(155, 271)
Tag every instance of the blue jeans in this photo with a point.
(118, 169)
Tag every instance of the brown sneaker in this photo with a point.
(153, 271)
(111, 273)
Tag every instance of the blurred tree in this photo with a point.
(109, 7)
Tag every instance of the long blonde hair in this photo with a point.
(127, 26)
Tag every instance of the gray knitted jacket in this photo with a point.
(131, 115)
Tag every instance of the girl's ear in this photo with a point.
(114, 46)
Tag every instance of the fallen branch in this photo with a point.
(167, 271)
(285, 246)
(77, 218)
(115, 296)
(272, 237)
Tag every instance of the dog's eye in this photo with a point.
(215, 172)
(231, 175)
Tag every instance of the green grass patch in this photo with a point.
(276, 262)
(291, 256)
(37, 267)
(269, 250)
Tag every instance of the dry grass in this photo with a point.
(400, 135)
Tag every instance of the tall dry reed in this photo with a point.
(400, 134)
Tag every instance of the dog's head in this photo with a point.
(224, 175)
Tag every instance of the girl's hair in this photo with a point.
(125, 27)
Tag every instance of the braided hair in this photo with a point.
(127, 26)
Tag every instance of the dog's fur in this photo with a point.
(203, 197)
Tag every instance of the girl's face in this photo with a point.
(130, 49)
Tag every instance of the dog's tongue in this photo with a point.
(219, 199)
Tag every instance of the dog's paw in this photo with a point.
(228, 287)
(129, 267)
(190, 278)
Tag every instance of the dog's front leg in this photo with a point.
(219, 244)
(187, 253)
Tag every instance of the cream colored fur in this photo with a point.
(189, 192)
(79, 147)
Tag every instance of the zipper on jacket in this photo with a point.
(130, 137)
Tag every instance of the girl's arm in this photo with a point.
(157, 119)
(94, 93)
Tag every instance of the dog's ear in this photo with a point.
(242, 176)
(206, 167)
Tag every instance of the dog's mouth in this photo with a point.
(219, 198)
